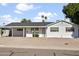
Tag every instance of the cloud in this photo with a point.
(49, 15)
(4, 4)
(65, 4)
(22, 7)
(17, 11)
(7, 19)
(67, 19)
(45, 13)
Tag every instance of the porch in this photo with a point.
(28, 32)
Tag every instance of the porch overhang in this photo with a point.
(26, 26)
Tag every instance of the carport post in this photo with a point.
(23, 32)
(12, 32)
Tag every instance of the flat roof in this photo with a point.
(29, 24)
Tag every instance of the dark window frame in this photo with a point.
(54, 29)
(32, 29)
(19, 29)
(36, 29)
(69, 29)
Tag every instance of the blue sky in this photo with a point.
(12, 12)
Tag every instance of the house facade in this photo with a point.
(59, 29)
(62, 29)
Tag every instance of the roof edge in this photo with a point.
(61, 21)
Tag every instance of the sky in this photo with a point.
(14, 12)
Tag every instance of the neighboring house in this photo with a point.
(4, 31)
(59, 29)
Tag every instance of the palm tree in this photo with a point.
(44, 18)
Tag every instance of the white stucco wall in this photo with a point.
(41, 35)
(62, 31)
(28, 35)
(28, 32)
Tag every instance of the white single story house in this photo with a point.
(59, 29)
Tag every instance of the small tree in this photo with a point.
(29, 20)
(25, 20)
(1, 31)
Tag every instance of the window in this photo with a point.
(19, 29)
(36, 29)
(54, 29)
(69, 29)
(32, 29)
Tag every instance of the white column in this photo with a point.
(44, 32)
(23, 32)
(12, 32)
(0, 32)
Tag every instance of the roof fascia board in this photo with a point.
(24, 26)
